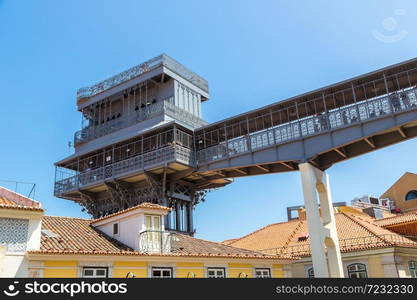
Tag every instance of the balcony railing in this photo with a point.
(308, 126)
(360, 204)
(352, 244)
(152, 241)
(146, 113)
(161, 60)
(133, 164)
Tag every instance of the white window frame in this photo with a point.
(265, 272)
(153, 227)
(95, 269)
(216, 269)
(162, 269)
(412, 266)
(350, 272)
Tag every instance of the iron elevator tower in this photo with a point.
(136, 143)
(143, 139)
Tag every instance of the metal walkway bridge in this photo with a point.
(310, 133)
(321, 127)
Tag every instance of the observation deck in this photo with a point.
(322, 127)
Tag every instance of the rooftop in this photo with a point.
(356, 232)
(62, 235)
(144, 205)
(13, 200)
(398, 219)
(151, 64)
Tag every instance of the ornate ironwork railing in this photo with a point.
(371, 205)
(161, 60)
(133, 164)
(308, 126)
(352, 244)
(182, 115)
(146, 113)
(152, 241)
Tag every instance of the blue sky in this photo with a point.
(251, 52)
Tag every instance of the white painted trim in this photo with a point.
(93, 264)
(129, 268)
(165, 266)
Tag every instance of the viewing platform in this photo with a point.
(162, 60)
(163, 108)
(175, 156)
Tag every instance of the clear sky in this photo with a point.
(251, 52)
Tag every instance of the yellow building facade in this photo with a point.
(52, 266)
(403, 192)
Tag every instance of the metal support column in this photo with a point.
(321, 223)
(190, 218)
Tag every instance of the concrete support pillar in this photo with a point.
(322, 229)
(393, 266)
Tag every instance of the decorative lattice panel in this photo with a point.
(14, 234)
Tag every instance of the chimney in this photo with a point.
(302, 213)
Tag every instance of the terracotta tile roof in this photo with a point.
(62, 235)
(6, 202)
(190, 245)
(12, 200)
(398, 219)
(146, 205)
(356, 232)
(271, 236)
(73, 234)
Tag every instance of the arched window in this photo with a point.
(412, 264)
(310, 273)
(357, 271)
(411, 195)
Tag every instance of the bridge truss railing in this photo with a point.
(332, 119)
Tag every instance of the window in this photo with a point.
(115, 228)
(93, 272)
(153, 223)
(310, 273)
(357, 271)
(161, 272)
(14, 234)
(154, 232)
(263, 273)
(413, 268)
(411, 195)
(216, 273)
